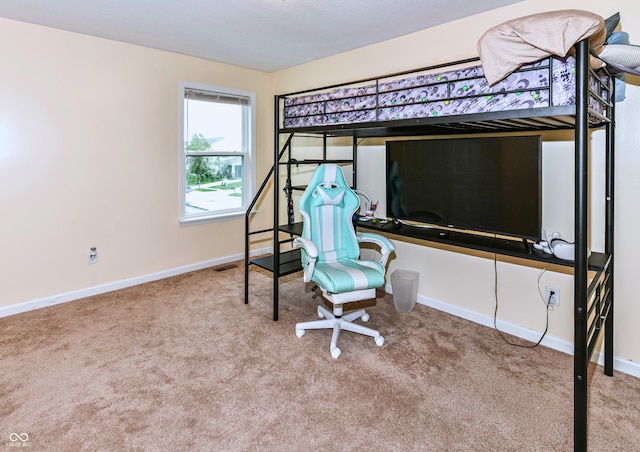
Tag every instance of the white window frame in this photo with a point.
(248, 163)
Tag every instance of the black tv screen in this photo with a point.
(489, 184)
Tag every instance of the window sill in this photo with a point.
(211, 219)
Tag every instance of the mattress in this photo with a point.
(548, 82)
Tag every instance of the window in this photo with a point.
(217, 153)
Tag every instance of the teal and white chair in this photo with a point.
(330, 255)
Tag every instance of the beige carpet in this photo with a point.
(183, 364)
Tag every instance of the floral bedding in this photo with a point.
(548, 82)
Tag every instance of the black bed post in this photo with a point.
(276, 197)
(609, 224)
(354, 165)
(581, 356)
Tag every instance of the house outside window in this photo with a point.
(217, 153)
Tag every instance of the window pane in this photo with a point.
(213, 183)
(217, 148)
(218, 125)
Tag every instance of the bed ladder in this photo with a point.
(281, 263)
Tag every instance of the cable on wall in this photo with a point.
(548, 307)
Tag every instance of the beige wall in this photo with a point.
(464, 281)
(89, 157)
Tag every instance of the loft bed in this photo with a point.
(526, 81)
(548, 94)
(540, 95)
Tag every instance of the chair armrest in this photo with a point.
(312, 253)
(307, 245)
(386, 246)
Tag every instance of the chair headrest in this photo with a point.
(328, 194)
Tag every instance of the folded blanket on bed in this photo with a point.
(506, 47)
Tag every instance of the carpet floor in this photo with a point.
(183, 364)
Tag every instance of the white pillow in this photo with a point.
(623, 57)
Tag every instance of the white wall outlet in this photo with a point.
(93, 255)
(552, 296)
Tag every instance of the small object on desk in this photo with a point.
(371, 211)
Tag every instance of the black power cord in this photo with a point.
(548, 307)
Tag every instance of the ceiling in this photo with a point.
(267, 35)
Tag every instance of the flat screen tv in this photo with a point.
(489, 184)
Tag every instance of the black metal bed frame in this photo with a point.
(593, 301)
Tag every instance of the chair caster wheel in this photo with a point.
(379, 341)
(300, 333)
(365, 317)
(320, 314)
(335, 353)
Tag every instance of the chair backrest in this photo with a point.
(327, 207)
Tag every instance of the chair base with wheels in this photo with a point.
(338, 321)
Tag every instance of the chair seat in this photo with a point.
(347, 275)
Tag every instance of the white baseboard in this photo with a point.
(619, 364)
(109, 287)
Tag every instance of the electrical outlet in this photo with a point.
(93, 255)
(552, 296)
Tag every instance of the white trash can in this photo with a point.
(404, 284)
